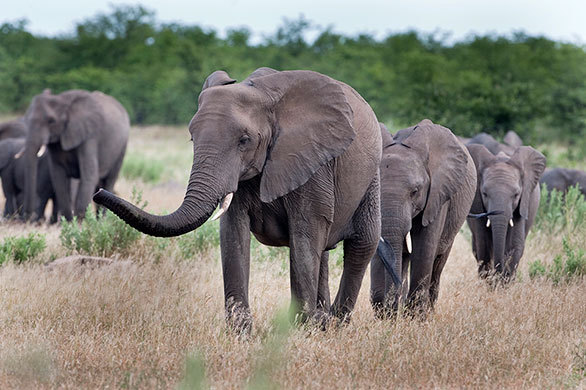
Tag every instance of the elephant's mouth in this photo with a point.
(224, 204)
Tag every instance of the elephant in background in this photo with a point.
(508, 194)
(296, 154)
(86, 135)
(512, 141)
(562, 179)
(13, 129)
(12, 174)
(428, 181)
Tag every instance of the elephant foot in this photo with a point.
(239, 319)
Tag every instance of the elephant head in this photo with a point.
(421, 167)
(280, 126)
(505, 190)
(65, 120)
(12, 129)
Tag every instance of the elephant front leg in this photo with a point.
(89, 176)
(235, 248)
(323, 288)
(61, 185)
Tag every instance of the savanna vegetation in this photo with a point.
(530, 84)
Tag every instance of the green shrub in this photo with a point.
(206, 237)
(558, 211)
(136, 166)
(20, 249)
(101, 236)
(565, 267)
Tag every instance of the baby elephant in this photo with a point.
(562, 179)
(12, 169)
(507, 198)
(427, 187)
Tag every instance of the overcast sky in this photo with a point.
(561, 19)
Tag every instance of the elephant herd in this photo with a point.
(298, 159)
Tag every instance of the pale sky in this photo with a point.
(561, 20)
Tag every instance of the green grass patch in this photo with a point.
(21, 249)
(559, 212)
(139, 167)
(570, 264)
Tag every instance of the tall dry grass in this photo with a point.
(135, 326)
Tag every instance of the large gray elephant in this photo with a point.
(12, 174)
(86, 135)
(428, 181)
(508, 194)
(296, 154)
(561, 179)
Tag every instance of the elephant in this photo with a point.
(505, 204)
(428, 182)
(561, 179)
(85, 134)
(492, 144)
(12, 174)
(12, 129)
(512, 139)
(296, 155)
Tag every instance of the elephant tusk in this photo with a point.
(19, 154)
(224, 206)
(488, 223)
(511, 222)
(42, 150)
(408, 239)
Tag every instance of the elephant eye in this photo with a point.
(51, 121)
(414, 192)
(243, 140)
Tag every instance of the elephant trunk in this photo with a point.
(396, 225)
(203, 194)
(499, 226)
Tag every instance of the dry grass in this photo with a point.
(135, 326)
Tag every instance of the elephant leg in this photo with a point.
(323, 288)
(108, 182)
(61, 186)
(235, 249)
(481, 246)
(359, 250)
(377, 286)
(515, 249)
(87, 156)
(438, 267)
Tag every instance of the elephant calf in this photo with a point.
(561, 179)
(427, 187)
(507, 194)
(12, 173)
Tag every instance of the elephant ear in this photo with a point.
(447, 162)
(532, 165)
(481, 157)
(219, 77)
(264, 71)
(83, 119)
(313, 124)
(513, 139)
(386, 136)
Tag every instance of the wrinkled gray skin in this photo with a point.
(12, 174)
(300, 151)
(428, 181)
(511, 142)
(86, 135)
(507, 184)
(562, 179)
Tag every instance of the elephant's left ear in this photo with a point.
(447, 161)
(313, 125)
(83, 118)
(219, 77)
(532, 165)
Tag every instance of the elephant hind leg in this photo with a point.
(323, 289)
(359, 250)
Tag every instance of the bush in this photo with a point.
(20, 249)
(139, 167)
(101, 236)
(206, 237)
(570, 265)
(558, 211)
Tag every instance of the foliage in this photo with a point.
(101, 235)
(531, 84)
(20, 249)
(559, 211)
(572, 264)
(137, 166)
(204, 238)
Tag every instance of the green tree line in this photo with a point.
(492, 83)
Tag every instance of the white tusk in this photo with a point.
(224, 206)
(408, 239)
(19, 154)
(511, 222)
(488, 223)
(42, 150)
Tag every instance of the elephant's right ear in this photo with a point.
(386, 136)
(83, 117)
(481, 157)
(532, 164)
(219, 77)
(313, 125)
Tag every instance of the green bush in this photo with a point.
(558, 211)
(20, 249)
(565, 267)
(206, 237)
(140, 167)
(100, 236)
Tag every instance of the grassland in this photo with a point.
(158, 321)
